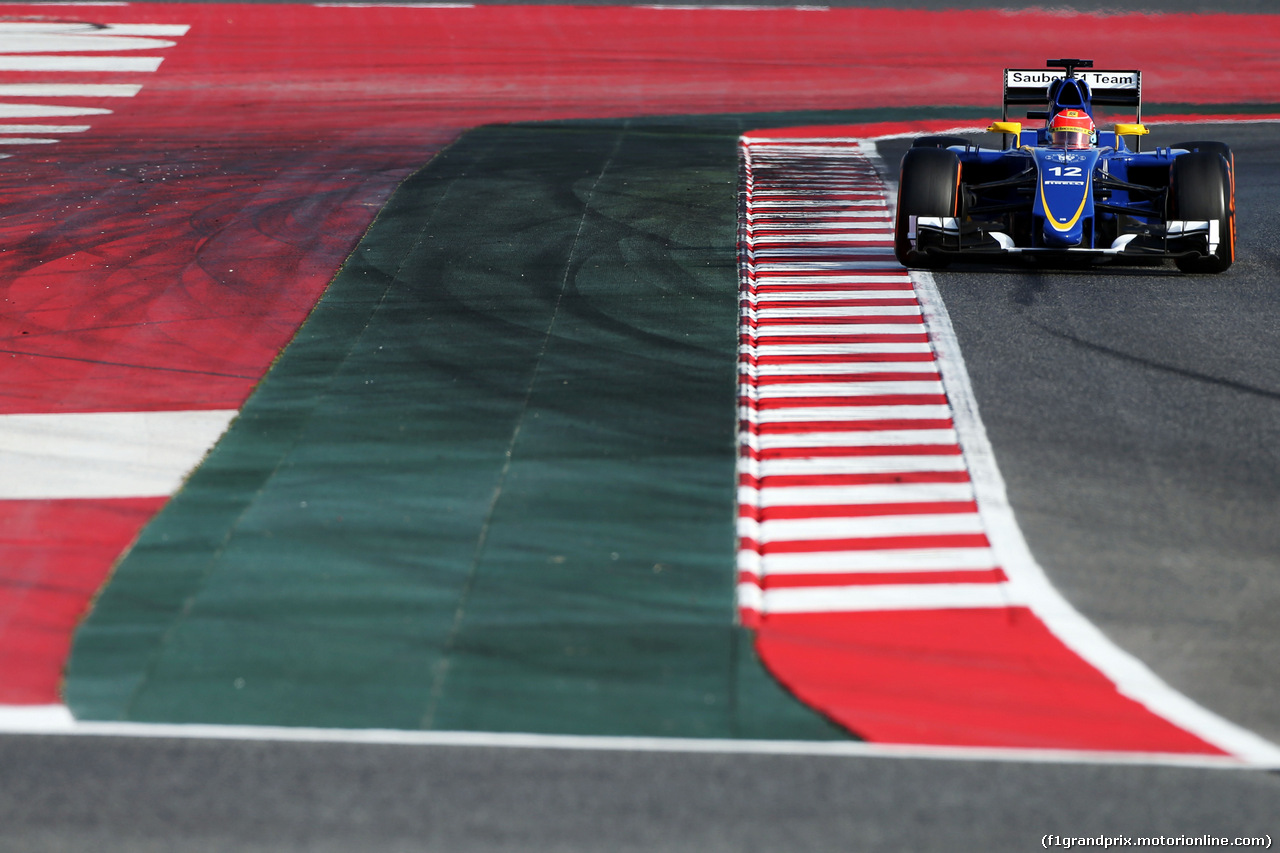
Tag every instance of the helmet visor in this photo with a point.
(1070, 137)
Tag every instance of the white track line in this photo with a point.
(48, 111)
(896, 493)
(868, 438)
(808, 529)
(68, 90)
(43, 128)
(878, 561)
(81, 30)
(54, 720)
(79, 63)
(868, 388)
(103, 455)
(882, 597)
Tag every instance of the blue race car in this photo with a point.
(1066, 189)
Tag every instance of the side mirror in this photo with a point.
(1138, 130)
(1007, 127)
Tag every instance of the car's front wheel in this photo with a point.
(928, 185)
(1201, 187)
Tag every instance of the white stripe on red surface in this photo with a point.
(103, 454)
(879, 562)
(85, 64)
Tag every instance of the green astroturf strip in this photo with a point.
(490, 485)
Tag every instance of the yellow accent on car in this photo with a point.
(1131, 130)
(1048, 214)
(1014, 127)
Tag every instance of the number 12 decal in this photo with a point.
(1067, 171)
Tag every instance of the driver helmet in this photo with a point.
(1072, 129)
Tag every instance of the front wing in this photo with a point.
(957, 238)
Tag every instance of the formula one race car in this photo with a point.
(1067, 189)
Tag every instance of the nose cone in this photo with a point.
(1066, 195)
(1073, 236)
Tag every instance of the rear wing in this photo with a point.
(1029, 87)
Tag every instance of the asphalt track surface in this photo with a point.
(120, 795)
(1133, 412)
(1170, 384)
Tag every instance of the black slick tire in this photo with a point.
(938, 141)
(928, 185)
(1202, 187)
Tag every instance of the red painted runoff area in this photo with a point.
(161, 244)
(959, 678)
(53, 555)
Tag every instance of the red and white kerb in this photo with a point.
(854, 494)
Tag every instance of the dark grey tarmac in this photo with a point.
(134, 796)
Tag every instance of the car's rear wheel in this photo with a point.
(938, 141)
(1202, 187)
(1213, 147)
(928, 185)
